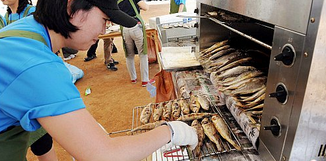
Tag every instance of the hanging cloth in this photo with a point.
(143, 25)
(15, 140)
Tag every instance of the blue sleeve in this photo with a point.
(41, 91)
(31, 10)
(178, 2)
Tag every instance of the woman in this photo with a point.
(17, 9)
(36, 88)
(135, 37)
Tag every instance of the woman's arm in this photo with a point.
(143, 5)
(83, 138)
(181, 6)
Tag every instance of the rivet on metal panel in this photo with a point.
(312, 20)
(283, 158)
(305, 54)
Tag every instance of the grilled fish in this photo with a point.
(200, 133)
(216, 45)
(167, 111)
(193, 116)
(148, 126)
(235, 71)
(184, 106)
(254, 96)
(230, 65)
(146, 114)
(224, 131)
(176, 110)
(211, 133)
(203, 101)
(194, 104)
(158, 111)
(243, 76)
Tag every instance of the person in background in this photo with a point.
(68, 53)
(135, 37)
(108, 50)
(177, 6)
(36, 89)
(17, 9)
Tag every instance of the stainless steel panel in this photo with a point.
(311, 88)
(290, 14)
(280, 74)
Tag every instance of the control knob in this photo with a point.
(281, 94)
(286, 56)
(274, 127)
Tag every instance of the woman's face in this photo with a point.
(9, 2)
(91, 24)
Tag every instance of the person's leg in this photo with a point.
(43, 149)
(91, 53)
(108, 60)
(129, 43)
(138, 37)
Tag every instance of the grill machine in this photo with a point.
(293, 125)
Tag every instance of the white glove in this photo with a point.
(182, 134)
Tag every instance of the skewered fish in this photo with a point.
(211, 133)
(243, 76)
(228, 54)
(146, 114)
(158, 111)
(234, 64)
(193, 116)
(260, 106)
(235, 71)
(200, 133)
(194, 104)
(167, 111)
(249, 88)
(202, 58)
(244, 82)
(224, 131)
(176, 110)
(148, 126)
(203, 101)
(184, 106)
(216, 45)
(254, 96)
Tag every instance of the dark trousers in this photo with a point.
(91, 51)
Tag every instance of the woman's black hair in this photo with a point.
(21, 6)
(53, 14)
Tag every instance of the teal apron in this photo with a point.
(174, 8)
(144, 29)
(24, 15)
(15, 141)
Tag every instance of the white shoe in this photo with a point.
(69, 57)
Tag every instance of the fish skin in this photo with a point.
(214, 46)
(167, 111)
(184, 106)
(216, 63)
(254, 96)
(251, 87)
(203, 101)
(234, 64)
(176, 109)
(245, 82)
(243, 76)
(201, 136)
(148, 126)
(158, 111)
(215, 53)
(193, 116)
(194, 104)
(211, 133)
(235, 71)
(223, 130)
(146, 114)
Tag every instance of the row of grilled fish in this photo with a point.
(172, 109)
(235, 74)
